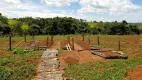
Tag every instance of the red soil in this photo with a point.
(55, 45)
(12, 67)
(84, 45)
(3, 51)
(135, 74)
(75, 57)
(44, 43)
(63, 43)
(33, 61)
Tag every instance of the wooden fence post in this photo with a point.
(52, 39)
(33, 37)
(82, 37)
(25, 39)
(72, 43)
(119, 45)
(47, 41)
(98, 41)
(89, 41)
(10, 48)
(68, 39)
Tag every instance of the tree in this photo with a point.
(124, 22)
(5, 29)
(134, 29)
(17, 29)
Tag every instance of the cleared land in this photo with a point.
(97, 69)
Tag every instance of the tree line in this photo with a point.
(63, 26)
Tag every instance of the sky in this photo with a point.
(90, 10)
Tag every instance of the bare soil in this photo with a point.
(84, 45)
(77, 47)
(135, 74)
(55, 45)
(63, 43)
(33, 61)
(3, 51)
(44, 43)
(75, 57)
(12, 67)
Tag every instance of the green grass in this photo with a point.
(22, 73)
(15, 67)
(111, 70)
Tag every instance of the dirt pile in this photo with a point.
(75, 57)
(84, 45)
(63, 43)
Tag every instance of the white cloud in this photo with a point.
(113, 7)
(14, 4)
(17, 9)
(11, 1)
(108, 10)
(34, 14)
(58, 3)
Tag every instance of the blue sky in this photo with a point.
(99, 10)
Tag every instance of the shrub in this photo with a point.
(18, 51)
(21, 51)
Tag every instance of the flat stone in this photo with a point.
(49, 67)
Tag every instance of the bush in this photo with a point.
(18, 51)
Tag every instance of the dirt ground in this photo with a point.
(33, 61)
(3, 52)
(63, 43)
(79, 55)
(55, 45)
(75, 57)
(84, 45)
(131, 45)
(135, 74)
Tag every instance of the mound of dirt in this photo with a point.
(70, 60)
(75, 57)
(86, 56)
(84, 45)
(135, 74)
(68, 54)
(63, 43)
(77, 47)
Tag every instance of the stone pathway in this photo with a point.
(49, 67)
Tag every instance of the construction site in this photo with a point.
(62, 53)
